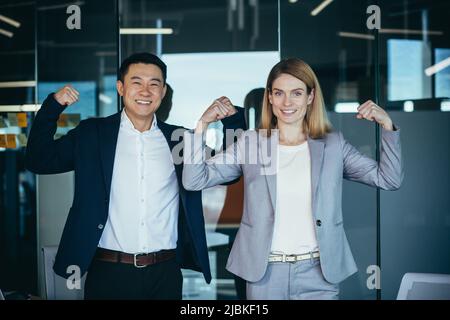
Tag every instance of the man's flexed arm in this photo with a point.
(67, 95)
(45, 155)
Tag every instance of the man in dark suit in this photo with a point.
(132, 225)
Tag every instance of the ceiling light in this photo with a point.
(320, 7)
(10, 21)
(356, 35)
(146, 31)
(346, 107)
(20, 107)
(6, 33)
(437, 67)
(408, 106)
(17, 84)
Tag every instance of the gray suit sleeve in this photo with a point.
(387, 174)
(199, 173)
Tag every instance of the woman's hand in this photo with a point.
(218, 110)
(370, 111)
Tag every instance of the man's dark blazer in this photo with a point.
(89, 151)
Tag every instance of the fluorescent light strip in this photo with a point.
(6, 33)
(408, 106)
(20, 107)
(320, 7)
(104, 98)
(356, 35)
(445, 106)
(346, 107)
(437, 67)
(408, 31)
(146, 31)
(17, 84)
(10, 21)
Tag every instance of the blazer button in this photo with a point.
(100, 226)
(318, 223)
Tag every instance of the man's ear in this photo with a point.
(119, 86)
(164, 91)
(311, 96)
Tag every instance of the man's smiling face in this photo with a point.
(142, 90)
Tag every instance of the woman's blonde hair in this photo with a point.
(316, 123)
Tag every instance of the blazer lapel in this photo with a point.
(268, 152)
(167, 131)
(108, 133)
(316, 148)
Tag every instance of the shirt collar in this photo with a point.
(126, 122)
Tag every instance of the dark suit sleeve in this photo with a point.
(44, 155)
(231, 126)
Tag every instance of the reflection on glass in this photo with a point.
(86, 106)
(407, 60)
(199, 78)
(442, 78)
(107, 96)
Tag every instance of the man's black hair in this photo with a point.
(142, 57)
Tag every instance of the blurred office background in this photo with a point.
(227, 47)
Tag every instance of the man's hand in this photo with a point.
(218, 110)
(66, 95)
(370, 111)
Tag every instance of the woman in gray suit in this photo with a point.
(291, 243)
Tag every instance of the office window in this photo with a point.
(406, 63)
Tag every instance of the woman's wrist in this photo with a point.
(388, 125)
(201, 126)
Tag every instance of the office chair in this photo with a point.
(55, 285)
(424, 286)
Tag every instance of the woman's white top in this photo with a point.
(294, 231)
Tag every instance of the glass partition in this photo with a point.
(76, 46)
(414, 84)
(17, 185)
(333, 38)
(211, 48)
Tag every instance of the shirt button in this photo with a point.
(318, 223)
(142, 200)
(100, 226)
(142, 223)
